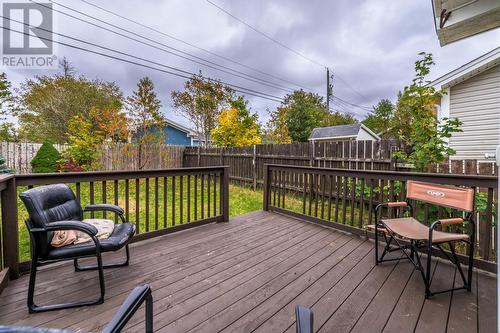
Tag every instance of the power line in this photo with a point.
(244, 75)
(236, 88)
(266, 35)
(192, 45)
(283, 45)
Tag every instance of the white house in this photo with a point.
(458, 19)
(473, 96)
(343, 132)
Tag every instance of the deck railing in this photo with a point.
(346, 200)
(156, 201)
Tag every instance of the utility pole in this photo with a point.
(329, 88)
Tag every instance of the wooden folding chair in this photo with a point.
(408, 235)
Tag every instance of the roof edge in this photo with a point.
(480, 64)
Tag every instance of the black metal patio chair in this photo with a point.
(55, 207)
(126, 311)
(408, 235)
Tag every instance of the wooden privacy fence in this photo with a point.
(126, 156)
(346, 199)
(18, 155)
(157, 201)
(247, 163)
(116, 156)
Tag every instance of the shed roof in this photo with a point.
(339, 131)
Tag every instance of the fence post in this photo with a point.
(267, 187)
(225, 193)
(254, 167)
(10, 239)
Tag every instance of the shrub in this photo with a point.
(3, 167)
(46, 159)
(69, 166)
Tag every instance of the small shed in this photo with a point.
(352, 132)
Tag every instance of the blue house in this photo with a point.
(177, 134)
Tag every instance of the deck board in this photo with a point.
(247, 276)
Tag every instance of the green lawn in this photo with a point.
(241, 199)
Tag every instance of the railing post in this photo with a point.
(225, 193)
(267, 187)
(10, 237)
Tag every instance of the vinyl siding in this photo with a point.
(476, 102)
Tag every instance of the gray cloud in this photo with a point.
(371, 45)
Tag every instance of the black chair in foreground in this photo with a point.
(304, 319)
(54, 207)
(126, 311)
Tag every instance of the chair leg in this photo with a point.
(32, 308)
(428, 272)
(79, 268)
(471, 265)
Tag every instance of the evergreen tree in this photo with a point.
(3, 166)
(46, 159)
(145, 118)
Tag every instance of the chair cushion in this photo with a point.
(121, 235)
(410, 228)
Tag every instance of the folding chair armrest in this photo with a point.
(129, 307)
(455, 220)
(106, 207)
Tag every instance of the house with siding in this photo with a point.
(472, 94)
(177, 134)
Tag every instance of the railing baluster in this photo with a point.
(173, 200)
(353, 199)
(189, 198)
(156, 203)
(361, 203)
(337, 197)
(115, 191)
(330, 193)
(104, 195)
(370, 203)
(78, 193)
(304, 192)
(344, 200)
(91, 196)
(147, 203)
(196, 197)
(323, 188)
(127, 198)
(208, 195)
(165, 198)
(316, 194)
(202, 196)
(137, 211)
(181, 199)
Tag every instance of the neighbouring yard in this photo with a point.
(242, 200)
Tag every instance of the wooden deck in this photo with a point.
(247, 275)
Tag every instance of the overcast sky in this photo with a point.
(371, 46)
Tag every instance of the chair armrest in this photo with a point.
(129, 307)
(102, 207)
(304, 319)
(455, 220)
(106, 207)
(72, 225)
